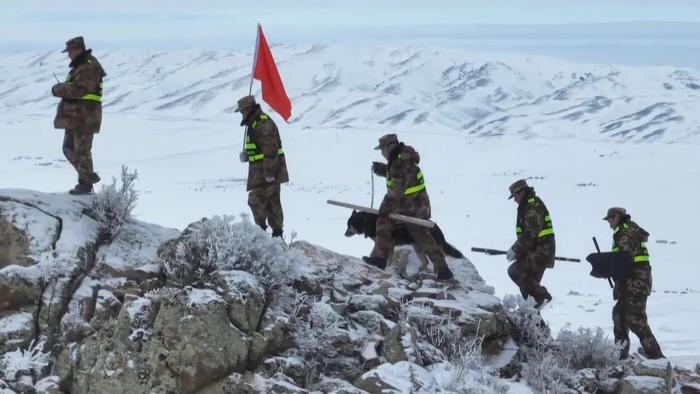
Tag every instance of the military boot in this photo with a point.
(276, 233)
(375, 261)
(654, 354)
(541, 296)
(445, 275)
(81, 189)
(95, 178)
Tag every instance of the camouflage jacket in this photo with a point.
(406, 193)
(81, 107)
(265, 155)
(629, 237)
(535, 232)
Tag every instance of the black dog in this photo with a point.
(366, 224)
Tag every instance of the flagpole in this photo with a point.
(255, 58)
(252, 74)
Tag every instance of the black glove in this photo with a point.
(379, 168)
(53, 89)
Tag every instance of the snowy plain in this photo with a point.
(588, 136)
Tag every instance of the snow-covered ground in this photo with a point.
(186, 154)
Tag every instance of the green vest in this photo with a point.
(416, 186)
(251, 148)
(547, 229)
(642, 256)
(91, 96)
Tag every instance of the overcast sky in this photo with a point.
(45, 24)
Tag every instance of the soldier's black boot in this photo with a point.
(95, 178)
(375, 261)
(445, 274)
(276, 233)
(541, 295)
(81, 189)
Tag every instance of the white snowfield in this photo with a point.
(587, 136)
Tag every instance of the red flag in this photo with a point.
(265, 71)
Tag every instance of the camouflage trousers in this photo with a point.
(527, 274)
(77, 147)
(629, 313)
(266, 206)
(384, 243)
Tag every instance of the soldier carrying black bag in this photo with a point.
(629, 266)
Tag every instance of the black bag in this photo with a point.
(616, 265)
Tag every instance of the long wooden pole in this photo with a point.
(252, 74)
(395, 216)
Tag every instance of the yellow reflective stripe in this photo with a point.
(251, 146)
(261, 156)
(531, 200)
(414, 189)
(616, 249)
(547, 218)
(641, 259)
(92, 97)
(546, 232)
(419, 175)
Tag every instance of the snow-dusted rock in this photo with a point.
(400, 344)
(132, 254)
(660, 368)
(690, 388)
(244, 295)
(15, 329)
(642, 385)
(48, 385)
(402, 377)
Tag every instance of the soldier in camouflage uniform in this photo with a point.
(629, 313)
(406, 195)
(267, 168)
(80, 111)
(535, 247)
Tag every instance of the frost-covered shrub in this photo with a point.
(526, 323)
(228, 243)
(545, 373)
(467, 372)
(32, 359)
(113, 205)
(585, 348)
(550, 365)
(315, 334)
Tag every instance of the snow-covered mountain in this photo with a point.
(409, 87)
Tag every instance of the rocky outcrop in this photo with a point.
(222, 308)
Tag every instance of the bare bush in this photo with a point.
(225, 243)
(113, 205)
(549, 365)
(467, 371)
(33, 359)
(586, 348)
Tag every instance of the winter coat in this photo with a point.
(406, 192)
(265, 155)
(80, 108)
(535, 232)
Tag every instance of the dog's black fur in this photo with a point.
(366, 224)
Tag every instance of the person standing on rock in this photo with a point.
(629, 313)
(534, 249)
(80, 111)
(267, 168)
(406, 195)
